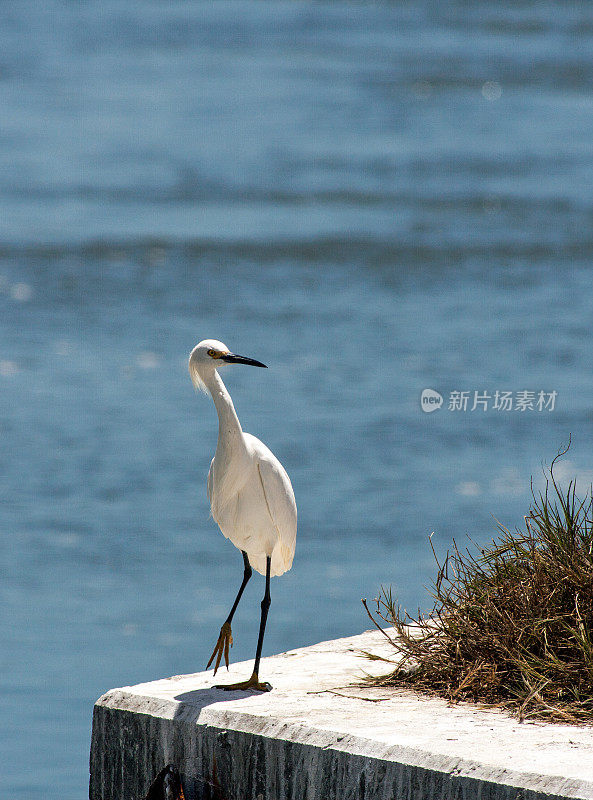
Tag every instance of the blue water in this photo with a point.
(374, 199)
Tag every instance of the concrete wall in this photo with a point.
(316, 736)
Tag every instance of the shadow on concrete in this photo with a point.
(200, 698)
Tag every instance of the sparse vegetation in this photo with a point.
(512, 622)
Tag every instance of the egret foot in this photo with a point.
(252, 683)
(225, 640)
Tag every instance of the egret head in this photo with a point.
(211, 354)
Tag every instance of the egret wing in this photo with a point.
(281, 504)
(210, 486)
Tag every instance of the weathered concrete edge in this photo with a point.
(328, 772)
(472, 778)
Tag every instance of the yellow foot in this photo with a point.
(225, 640)
(252, 683)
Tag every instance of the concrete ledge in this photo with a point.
(315, 736)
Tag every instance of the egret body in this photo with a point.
(250, 495)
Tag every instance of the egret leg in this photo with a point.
(225, 639)
(254, 682)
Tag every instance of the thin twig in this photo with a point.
(373, 620)
(351, 696)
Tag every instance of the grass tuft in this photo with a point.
(512, 622)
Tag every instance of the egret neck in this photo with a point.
(231, 454)
(229, 427)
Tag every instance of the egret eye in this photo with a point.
(212, 353)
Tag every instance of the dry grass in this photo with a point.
(512, 623)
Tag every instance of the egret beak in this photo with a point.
(231, 358)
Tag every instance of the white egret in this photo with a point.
(250, 495)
